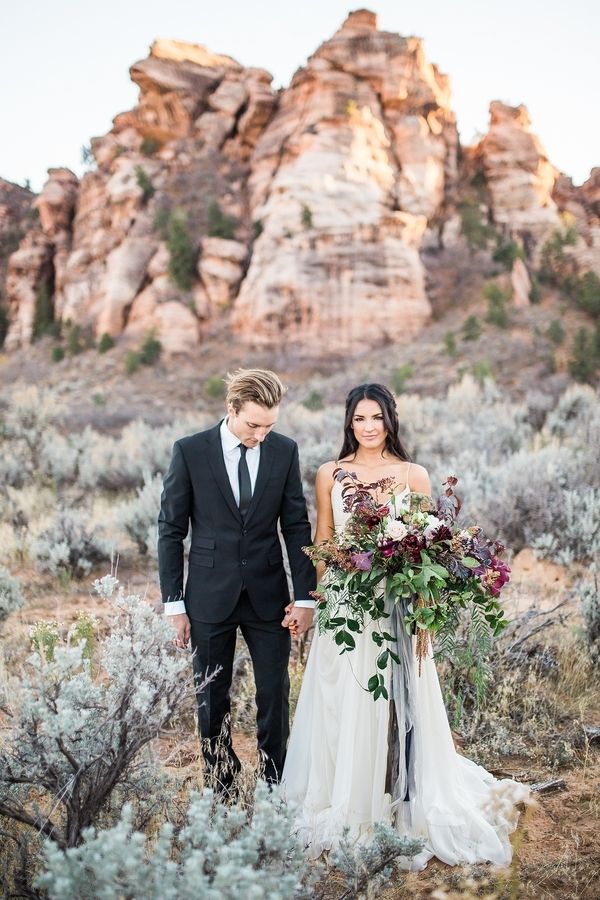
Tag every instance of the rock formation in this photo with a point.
(317, 216)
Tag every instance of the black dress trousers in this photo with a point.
(269, 646)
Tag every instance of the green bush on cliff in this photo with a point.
(219, 224)
(144, 183)
(497, 297)
(44, 311)
(182, 262)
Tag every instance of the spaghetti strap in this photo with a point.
(407, 471)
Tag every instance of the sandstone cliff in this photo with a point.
(324, 216)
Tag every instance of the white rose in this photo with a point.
(396, 530)
(433, 523)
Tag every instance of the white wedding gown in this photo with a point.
(336, 770)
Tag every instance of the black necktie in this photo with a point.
(244, 483)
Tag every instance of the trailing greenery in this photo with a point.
(219, 224)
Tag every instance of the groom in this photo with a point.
(236, 483)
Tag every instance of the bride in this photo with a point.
(353, 761)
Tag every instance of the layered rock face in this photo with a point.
(519, 175)
(317, 216)
(344, 180)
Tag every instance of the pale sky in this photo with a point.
(64, 64)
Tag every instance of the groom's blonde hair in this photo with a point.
(254, 385)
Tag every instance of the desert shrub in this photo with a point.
(400, 376)
(306, 217)
(219, 852)
(583, 362)
(257, 229)
(214, 387)
(75, 344)
(507, 252)
(497, 297)
(73, 740)
(471, 329)
(556, 332)
(44, 311)
(11, 597)
(589, 593)
(313, 401)
(105, 343)
(150, 350)
(144, 183)
(587, 293)
(58, 353)
(182, 259)
(138, 516)
(69, 547)
(450, 343)
(535, 291)
(482, 370)
(367, 869)
(557, 267)
(150, 146)
(26, 428)
(476, 231)
(3, 323)
(219, 224)
(45, 637)
(132, 361)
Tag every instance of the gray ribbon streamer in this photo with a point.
(400, 768)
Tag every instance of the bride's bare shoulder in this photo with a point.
(419, 479)
(325, 471)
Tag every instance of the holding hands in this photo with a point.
(298, 619)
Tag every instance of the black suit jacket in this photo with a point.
(228, 554)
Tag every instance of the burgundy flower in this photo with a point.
(502, 575)
(389, 549)
(412, 545)
(362, 561)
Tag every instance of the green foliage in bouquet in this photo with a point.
(413, 555)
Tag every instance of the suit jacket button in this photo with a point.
(244, 561)
(244, 531)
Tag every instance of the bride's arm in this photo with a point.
(325, 527)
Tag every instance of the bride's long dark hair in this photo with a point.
(384, 397)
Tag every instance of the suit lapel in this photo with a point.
(217, 465)
(264, 470)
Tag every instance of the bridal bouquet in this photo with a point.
(415, 556)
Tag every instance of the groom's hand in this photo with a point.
(183, 629)
(298, 619)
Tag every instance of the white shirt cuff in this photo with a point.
(174, 608)
(305, 604)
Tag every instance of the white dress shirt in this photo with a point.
(231, 454)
